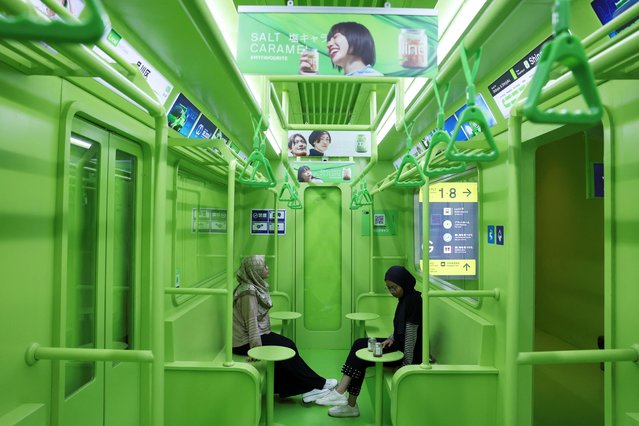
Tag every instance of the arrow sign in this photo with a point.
(466, 266)
(467, 192)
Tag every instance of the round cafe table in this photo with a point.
(379, 361)
(285, 316)
(360, 319)
(270, 354)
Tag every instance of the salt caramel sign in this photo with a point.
(358, 42)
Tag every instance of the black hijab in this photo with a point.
(409, 307)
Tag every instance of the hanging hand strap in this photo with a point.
(566, 49)
(257, 162)
(409, 159)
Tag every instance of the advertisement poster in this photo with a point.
(74, 7)
(363, 41)
(507, 88)
(182, 115)
(263, 221)
(203, 128)
(160, 85)
(209, 221)
(323, 171)
(325, 143)
(453, 229)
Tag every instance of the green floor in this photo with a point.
(327, 363)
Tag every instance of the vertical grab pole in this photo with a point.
(373, 113)
(230, 234)
(275, 236)
(157, 282)
(425, 275)
(512, 295)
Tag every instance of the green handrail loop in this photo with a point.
(440, 141)
(354, 200)
(409, 159)
(257, 161)
(364, 197)
(472, 115)
(566, 49)
(89, 31)
(295, 203)
(287, 192)
(441, 101)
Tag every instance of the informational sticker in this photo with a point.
(208, 221)
(263, 221)
(158, 83)
(384, 222)
(491, 234)
(500, 235)
(453, 229)
(507, 88)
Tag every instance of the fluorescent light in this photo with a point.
(273, 141)
(386, 122)
(79, 142)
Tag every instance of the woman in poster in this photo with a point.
(304, 174)
(320, 139)
(252, 327)
(350, 47)
(406, 337)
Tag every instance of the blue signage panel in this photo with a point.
(500, 235)
(263, 221)
(491, 234)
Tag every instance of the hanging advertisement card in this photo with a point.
(363, 41)
(323, 171)
(203, 128)
(324, 143)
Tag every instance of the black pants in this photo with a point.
(292, 376)
(355, 367)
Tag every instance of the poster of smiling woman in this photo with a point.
(334, 41)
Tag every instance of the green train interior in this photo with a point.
(120, 234)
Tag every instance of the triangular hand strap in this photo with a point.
(475, 115)
(440, 141)
(256, 162)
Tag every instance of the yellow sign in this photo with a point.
(453, 192)
(452, 267)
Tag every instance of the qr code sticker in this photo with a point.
(379, 220)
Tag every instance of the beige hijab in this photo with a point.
(249, 278)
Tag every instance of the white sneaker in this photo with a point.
(314, 395)
(333, 398)
(344, 411)
(330, 384)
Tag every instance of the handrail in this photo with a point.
(195, 290)
(35, 353)
(23, 27)
(465, 293)
(566, 49)
(230, 282)
(579, 356)
(472, 114)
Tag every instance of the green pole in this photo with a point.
(579, 356)
(511, 394)
(371, 279)
(465, 293)
(425, 274)
(195, 290)
(36, 352)
(230, 235)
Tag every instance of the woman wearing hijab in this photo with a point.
(406, 337)
(252, 327)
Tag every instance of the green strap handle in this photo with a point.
(23, 27)
(354, 201)
(566, 49)
(257, 162)
(440, 140)
(441, 102)
(409, 159)
(295, 204)
(364, 197)
(287, 192)
(472, 115)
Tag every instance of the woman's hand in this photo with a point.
(387, 343)
(307, 64)
(251, 359)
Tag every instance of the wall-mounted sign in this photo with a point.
(182, 115)
(384, 222)
(263, 221)
(160, 85)
(507, 88)
(323, 171)
(325, 143)
(203, 128)
(469, 129)
(453, 229)
(208, 221)
(363, 41)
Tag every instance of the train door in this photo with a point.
(99, 291)
(569, 277)
(323, 286)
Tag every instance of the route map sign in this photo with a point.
(453, 229)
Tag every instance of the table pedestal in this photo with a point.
(379, 377)
(360, 319)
